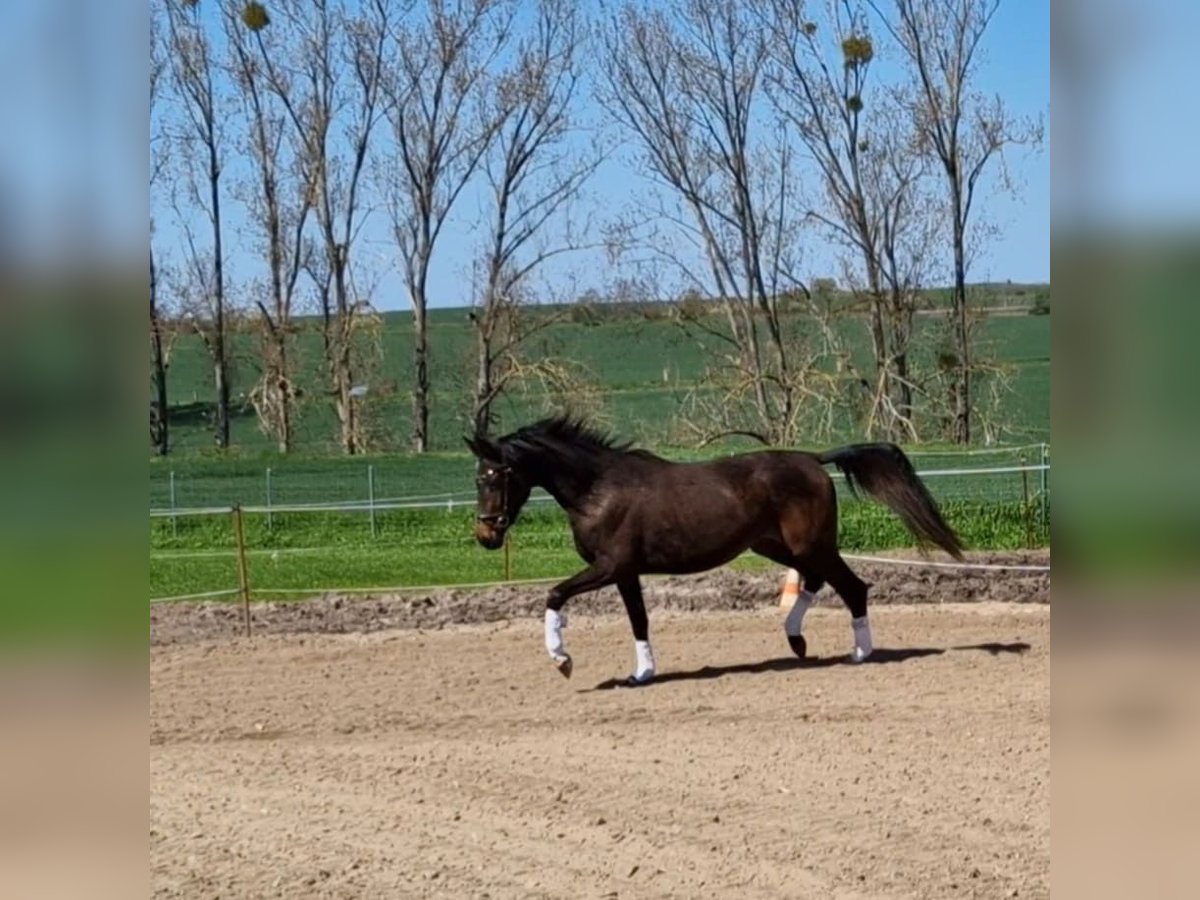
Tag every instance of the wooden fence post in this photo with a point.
(1028, 510)
(239, 532)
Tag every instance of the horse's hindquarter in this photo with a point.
(802, 499)
(795, 477)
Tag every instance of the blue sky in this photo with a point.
(73, 132)
(1015, 65)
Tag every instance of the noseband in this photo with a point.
(500, 519)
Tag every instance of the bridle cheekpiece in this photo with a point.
(500, 519)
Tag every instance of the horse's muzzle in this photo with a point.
(490, 532)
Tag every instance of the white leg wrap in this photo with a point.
(794, 622)
(556, 621)
(862, 639)
(645, 661)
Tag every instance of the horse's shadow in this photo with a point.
(881, 656)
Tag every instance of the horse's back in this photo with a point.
(775, 469)
(746, 484)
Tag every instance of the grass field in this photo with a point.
(336, 551)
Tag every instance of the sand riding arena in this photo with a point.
(411, 746)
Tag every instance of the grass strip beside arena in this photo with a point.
(321, 551)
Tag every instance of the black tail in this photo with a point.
(884, 472)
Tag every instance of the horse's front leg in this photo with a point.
(635, 606)
(593, 577)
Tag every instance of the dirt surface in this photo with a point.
(723, 589)
(457, 762)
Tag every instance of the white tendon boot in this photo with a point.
(645, 663)
(862, 639)
(793, 625)
(556, 621)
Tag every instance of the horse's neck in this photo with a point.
(569, 485)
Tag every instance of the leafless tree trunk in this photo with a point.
(685, 79)
(963, 132)
(160, 428)
(436, 93)
(532, 175)
(278, 199)
(327, 72)
(192, 64)
(159, 425)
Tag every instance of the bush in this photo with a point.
(583, 314)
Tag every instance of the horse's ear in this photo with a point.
(483, 448)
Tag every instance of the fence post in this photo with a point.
(508, 556)
(270, 521)
(174, 518)
(1028, 514)
(243, 576)
(1045, 488)
(371, 496)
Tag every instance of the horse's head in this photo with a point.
(502, 491)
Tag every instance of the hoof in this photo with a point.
(798, 644)
(633, 681)
(564, 665)
(858, 655)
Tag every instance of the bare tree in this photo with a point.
(910, 221)
(325, 64)
(533, 175)
(278, 198)
(872, 176)
(685, 80)
(440, 131)
(962, 130)
(159, 410)
(160, 436)
(193, 65)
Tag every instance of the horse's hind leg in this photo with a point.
(853, 591)
(812, 581)
(793, 625)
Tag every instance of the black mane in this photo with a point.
(564, 431)
(567, 440)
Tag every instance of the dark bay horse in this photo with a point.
(633, 513)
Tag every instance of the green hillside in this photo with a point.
(641, 364)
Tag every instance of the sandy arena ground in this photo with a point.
(454, 761)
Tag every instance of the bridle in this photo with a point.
(500, 519)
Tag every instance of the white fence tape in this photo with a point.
(480, 585)
(202, 596)
(922, 563)
(408, 588)
(457, 501)
(983, 451)
(995, 470)
(396, 589)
